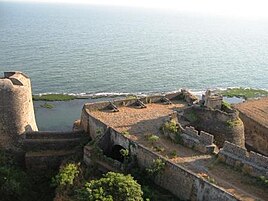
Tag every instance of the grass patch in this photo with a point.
(53, 97)
(245, 93)
(47, 105)
(152, 138)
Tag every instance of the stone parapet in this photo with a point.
(202, 142)
(251, 163)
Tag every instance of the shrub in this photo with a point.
(111, 187)
(171, 126)
(157, 166)
(66, 175)
(152, 138)
(124, 152)
(173, 154)
(159, 149)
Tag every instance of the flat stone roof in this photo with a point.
(136, 120)
(256, 110)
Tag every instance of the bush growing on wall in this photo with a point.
(157, 166)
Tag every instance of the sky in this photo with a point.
(251, 9)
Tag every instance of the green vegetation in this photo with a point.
(124, 152)
(157, 166)
(125, 133)
(18, 185)
(245, 93)
(47, 105)
(66, 175)
(112, 186)
(152, 138)
(226, 106)
(131, 97)
(234, 122)
(171, 126)
(262, 181)
(191, 116)
(159, 149)
(53, 97)
(173, 154)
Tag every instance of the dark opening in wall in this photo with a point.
(116, 154)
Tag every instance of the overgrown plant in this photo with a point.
(111, 187)
(152, 138)
(171, 126)
(157, 166)
(66, 175)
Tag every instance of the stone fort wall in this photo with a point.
(181, 182)
(16, 109)
(250, 162)
(200, 141)
(222, 125)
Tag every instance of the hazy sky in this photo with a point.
(234, 8)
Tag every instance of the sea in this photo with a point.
(89, 50)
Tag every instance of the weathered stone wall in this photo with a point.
(179, 181)
(224, 126)
(202, 142)
(256, 134)
(251, 163)
(16, 109)
(91, 125)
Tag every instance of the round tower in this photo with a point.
(16, 109)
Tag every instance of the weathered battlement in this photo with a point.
(202, 142)
(250, 162)
(204, 137)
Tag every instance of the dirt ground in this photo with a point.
(141, 122)
(255, 109)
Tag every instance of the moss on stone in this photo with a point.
(234, 122)
(53, 97)
(47, 105)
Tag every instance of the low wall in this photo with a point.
(202, 142)
(175, 178)
(250, 162)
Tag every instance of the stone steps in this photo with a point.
(54, 135)
(49, 159)
(51, 144)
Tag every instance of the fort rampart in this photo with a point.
(175, 178)
(250, 162)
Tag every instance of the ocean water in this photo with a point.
(95, 49)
